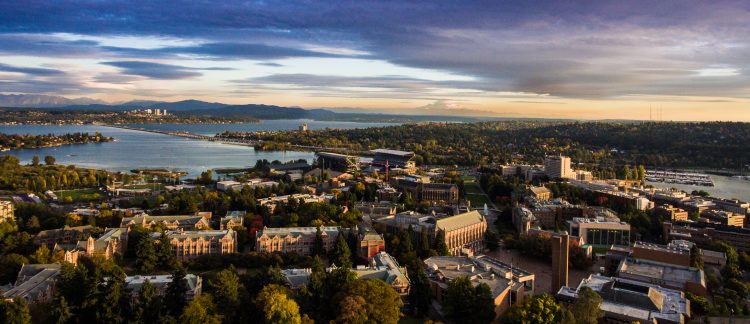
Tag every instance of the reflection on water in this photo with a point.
(134, 149)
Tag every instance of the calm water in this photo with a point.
(135, 149)
(725, 187)
(265, 125)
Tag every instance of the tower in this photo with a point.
(560, 246)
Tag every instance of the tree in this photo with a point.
(492, 240)
(175, 298)
(318, 248)
(35, 160)
(42, 254)
(696, 260)
(341, 255)
(641, 173)
(419, 292)
(698, 304)
(15, 312)
(201, 310)
(148, 304)
(10, 264)
(463, 301)
(586, 308)
(277, 306)
(440, 246)
(225, 289)
(145, 255)
(49, 160)
(539, 309)
(164, 255)
(369, 299)
(60, 310)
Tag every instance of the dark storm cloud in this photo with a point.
(576, 49)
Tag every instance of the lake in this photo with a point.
(725, 187)
(136, 149)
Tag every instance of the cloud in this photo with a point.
(29, 70)
(154, 70)
(585, 49)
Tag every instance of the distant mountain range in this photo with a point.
(43, 101)
(202, 108)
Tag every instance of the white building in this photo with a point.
(558, 167)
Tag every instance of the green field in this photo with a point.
(80, 195)
(475, 194)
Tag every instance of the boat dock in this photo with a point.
(688, 178)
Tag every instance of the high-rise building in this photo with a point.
(558, 167)
(560, 248)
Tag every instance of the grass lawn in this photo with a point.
(473, 188)
(81, 195)
(475, 194)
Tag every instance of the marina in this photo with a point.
(686, 178)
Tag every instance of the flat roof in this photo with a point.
(392, 152)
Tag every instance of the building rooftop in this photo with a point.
(459, 221)
(135, 282)
(630, 300)
(393, 152)
(481, 269)
(671, 248)
(295, 231)
(32, 280)
(673, 275)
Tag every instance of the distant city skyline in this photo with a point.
(668, 60)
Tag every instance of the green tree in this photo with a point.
(15, 312)
(318, 248)
(539, 309)
(145, 255)
(49, 160)
(164, 255)
(586, 309)
(440, 246)
(463, 301)
(277, 306)
(419, 291)
(341, 255)
(147, 306)
(696, 261)
(175, 298)
(225, 289)
(42, 254)
(369, 301)
(10, 264)
(61, 310)
(201, 310)
(35, 160)
(492, 240)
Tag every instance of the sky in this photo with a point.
(601, 59)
